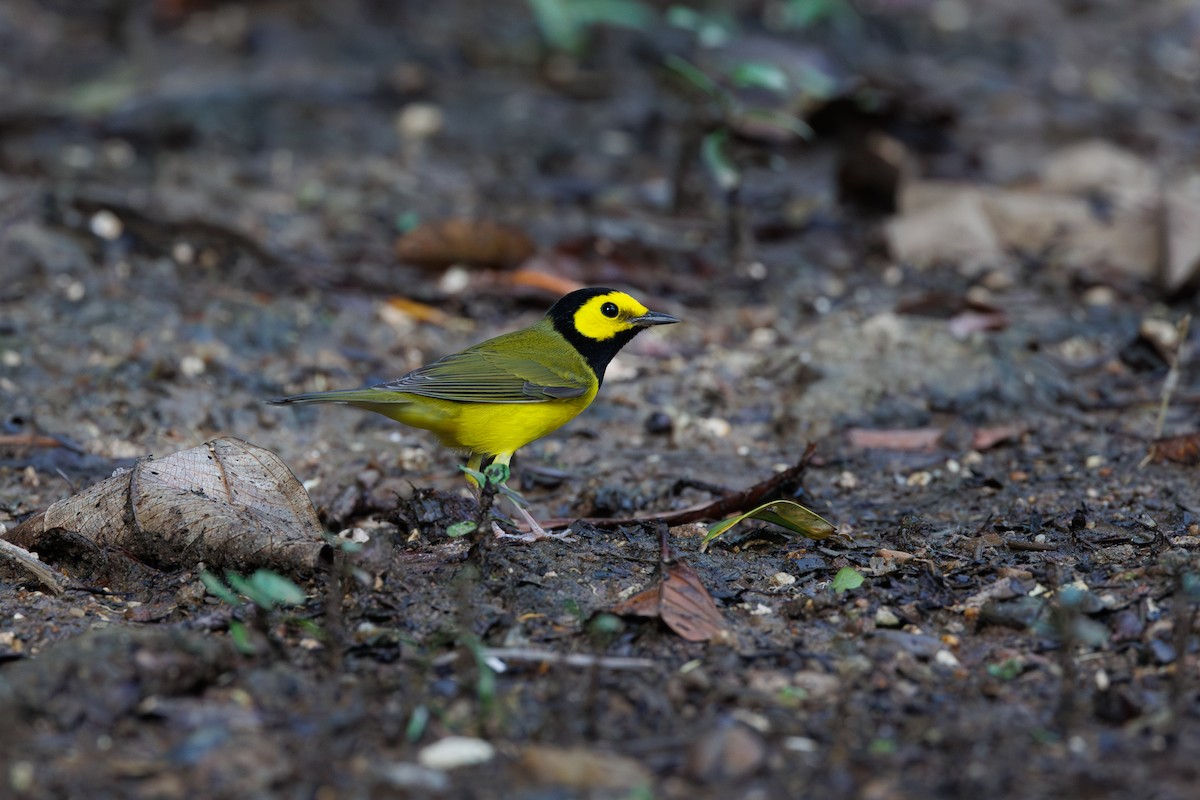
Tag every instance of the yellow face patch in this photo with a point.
(605, 316)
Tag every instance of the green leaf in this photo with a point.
(785, 513)
(712, 30)
(239, 634)
(217, 588)
(847, 578)
(802, 13)
(460, 529)
(417, 723)
(779, 119)
(406, 221)
(497, 474)
(716, 157)
(281, 590)
(756, 75)
(474, 474)
(267, 589)
(564, 23)
(619, 13)
(697, 77)
(1006, 670)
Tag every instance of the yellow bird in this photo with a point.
(498, 396)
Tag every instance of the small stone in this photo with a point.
(886, 618)
(456, 751)
(921, 478)
(945, 658)
(659, 423)
(106, 225)
(414, 778)
(420, 120)
(731, 751)
(781, 579)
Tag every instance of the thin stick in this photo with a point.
(35, 566)
(1171, 382)
(568, 659)
(717, 509)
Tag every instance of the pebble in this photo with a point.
(886, 618)
(781, 579)
(456, 751)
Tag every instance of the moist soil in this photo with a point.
(198, 208)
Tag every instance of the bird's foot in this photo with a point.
(536, 532)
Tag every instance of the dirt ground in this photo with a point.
(199, 205)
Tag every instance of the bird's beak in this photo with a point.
(652, 318)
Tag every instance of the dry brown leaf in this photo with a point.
(480, 243)
(582, 769)
(950, 231)
(720, 508)
(421, 312)
(1038, 221)
(1184, 449)
(227, 503)
(543, 281)
(906, 440)
(1097, 166)
(1181, 210)
(682, 602)
(968, 322)
(987, 438)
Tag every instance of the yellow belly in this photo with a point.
(486, 428)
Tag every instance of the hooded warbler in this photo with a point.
(500, 395)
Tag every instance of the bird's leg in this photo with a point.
(473, 465)
(536, 531)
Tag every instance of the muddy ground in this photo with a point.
(198, 208)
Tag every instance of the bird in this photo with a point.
(495, 397)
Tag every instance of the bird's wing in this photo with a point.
(485, 375)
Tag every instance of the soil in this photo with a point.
(199, 202)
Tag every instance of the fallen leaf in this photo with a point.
(1181, 210)
(227, 503)
(905, 440)
(954, 232)
(679, 599)
(582, 769)
(543, 281)
(1183, 449)
(716, 509)
(421, 312)
(968, 322)
(480, 243)
(987, 438)
(784, 513)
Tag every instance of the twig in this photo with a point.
(33, 565)
(568, 659)
(1170, 383)
(28, 440)
(720, 508)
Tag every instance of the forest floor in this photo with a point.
(199, 208)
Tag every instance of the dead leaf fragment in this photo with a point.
(581, 769)
(987, 438)
(480, 243)
(227, 503)
(682, 602)
(1183, 449)
(956, 232)
(1181, 210)
(680, 598)
(905, 440)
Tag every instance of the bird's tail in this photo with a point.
(353, 396)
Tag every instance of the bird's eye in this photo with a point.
(609, 310)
